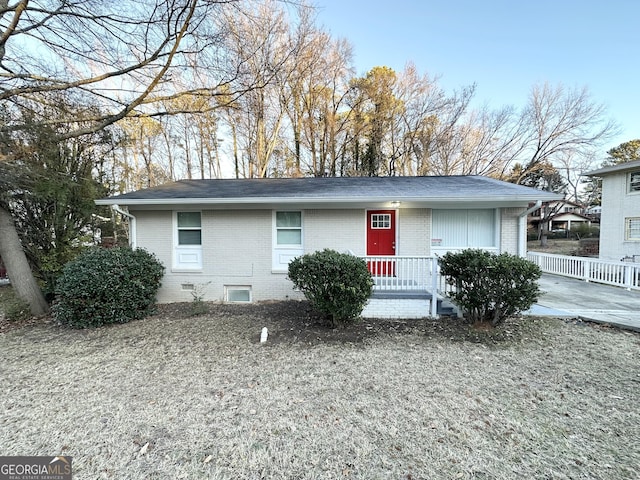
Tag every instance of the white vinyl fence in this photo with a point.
(620, 274)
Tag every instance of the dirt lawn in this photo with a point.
(556, 246)
(180, 397)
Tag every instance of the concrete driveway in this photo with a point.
(568, 297)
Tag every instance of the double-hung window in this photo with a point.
(287, 238)
(289, 228)
(189, 228)
(188, 241)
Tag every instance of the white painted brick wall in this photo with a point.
(340, 230)
(414, 231)
(509, 229)
(237, 249)
(396, 308)
(232, 255)
(154, 230)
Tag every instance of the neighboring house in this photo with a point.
(233, 239)
(565, 215)
(594, 212)
(567, 221)
(620, 214)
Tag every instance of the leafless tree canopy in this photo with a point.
(256, 88)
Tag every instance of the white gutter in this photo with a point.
(132, 225)
(522, 228)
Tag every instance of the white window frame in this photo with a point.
(186, 257)
(632, 234)
(633, 182)
(282, 254)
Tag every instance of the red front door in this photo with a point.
(381, 239)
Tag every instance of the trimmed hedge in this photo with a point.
(104, 286)
(491, 288)
(337, 284)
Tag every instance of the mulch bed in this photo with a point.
(296, 322)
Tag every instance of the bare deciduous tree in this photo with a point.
(118, 56)
(559, 122)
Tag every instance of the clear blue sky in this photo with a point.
(504, 46)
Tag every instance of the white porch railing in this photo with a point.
(397, 273)
(422, 274)
(620, 274)
(408, 274)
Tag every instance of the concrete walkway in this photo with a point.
(568, 297)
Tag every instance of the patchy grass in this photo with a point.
(13, 311)
(177, 396)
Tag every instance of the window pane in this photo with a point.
(189, 237)
(188, 219)
(634, 182)
(633, 229)
(450, 226)
(464, 228)
(288, 219)
(381, 221)
(289, 237)
(481, 228)
(237, 295)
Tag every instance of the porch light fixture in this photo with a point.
(395, 204)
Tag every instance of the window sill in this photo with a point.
(186, 270)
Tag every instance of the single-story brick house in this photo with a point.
(232, 239)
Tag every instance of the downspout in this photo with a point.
(132, 225)
(522, 229)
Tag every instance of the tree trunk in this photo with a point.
(544, 234)
(18, 269)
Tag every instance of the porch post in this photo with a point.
(434, 288)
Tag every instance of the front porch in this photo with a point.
(407, 287)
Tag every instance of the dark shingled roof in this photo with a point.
(332, 189)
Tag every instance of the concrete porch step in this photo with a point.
(397, 294)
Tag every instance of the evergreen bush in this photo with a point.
(337, 284)
(491, 288)
(104, 286)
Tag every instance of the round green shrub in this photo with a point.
(337, 284)
(490, 288)
(104, 286)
